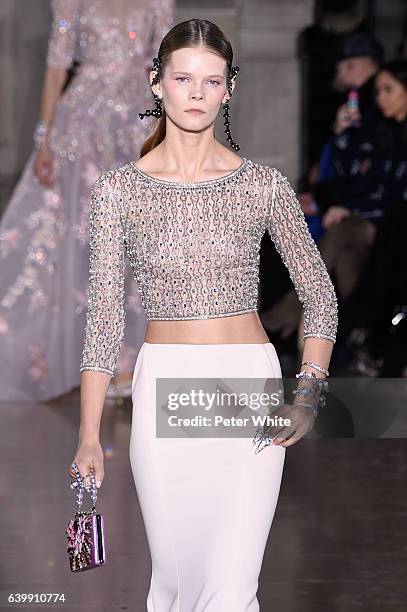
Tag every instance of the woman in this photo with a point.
(90, 127)
(191, 214)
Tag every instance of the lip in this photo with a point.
(195, 111)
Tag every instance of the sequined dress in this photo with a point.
(44, 232)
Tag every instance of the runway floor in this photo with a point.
(338, 541)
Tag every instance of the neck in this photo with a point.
(190, 155)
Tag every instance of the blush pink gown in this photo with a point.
(44, 244)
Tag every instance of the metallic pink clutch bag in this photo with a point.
(85, 532)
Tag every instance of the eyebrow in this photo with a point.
(219, 76)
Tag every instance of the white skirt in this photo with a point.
(207, 502)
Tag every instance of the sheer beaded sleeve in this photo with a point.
(62, 39)
(162, 22)
(105, 317)
(289, 231)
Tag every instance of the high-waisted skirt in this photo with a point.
(207, 502)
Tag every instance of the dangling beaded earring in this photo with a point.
(233, 72)
(157, 112)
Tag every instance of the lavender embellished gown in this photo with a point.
(44, 243)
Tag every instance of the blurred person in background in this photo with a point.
(351, 200)
(379, 302)
(358, 59)
(85, 129)
(347, 175)
(317, 46)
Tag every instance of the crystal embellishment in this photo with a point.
(194, 250)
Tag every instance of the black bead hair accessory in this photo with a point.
(158, 111)
(232, 74)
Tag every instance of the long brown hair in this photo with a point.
(190, 33)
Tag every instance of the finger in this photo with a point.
(274, 431)
(82, 467)
(87, 480)
(278, 441)
(71, 471)
(291, 441)
(97, 470)
(99, 475)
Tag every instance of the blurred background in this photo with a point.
(287, 98)
(274, 42)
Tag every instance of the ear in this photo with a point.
(156, 88)
(227, 96)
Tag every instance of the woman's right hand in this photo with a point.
(345, 116)
(89, 455)
(43, 167)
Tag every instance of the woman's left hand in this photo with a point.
(302, 421)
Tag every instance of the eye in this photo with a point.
(180, 78)
(213, 81)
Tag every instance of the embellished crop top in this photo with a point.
(194, 250)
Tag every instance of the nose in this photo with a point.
(196, 95)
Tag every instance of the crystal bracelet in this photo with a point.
(316, 389)
(40, 132)
(312, 364)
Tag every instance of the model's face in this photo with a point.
(354, 71)
(194, 78)
(391, 96)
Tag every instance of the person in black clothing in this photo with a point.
(379, 302)
(317, 46)
(358, 61)
(352, 202)
(348, 237)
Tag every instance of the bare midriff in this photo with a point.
(236, 329)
